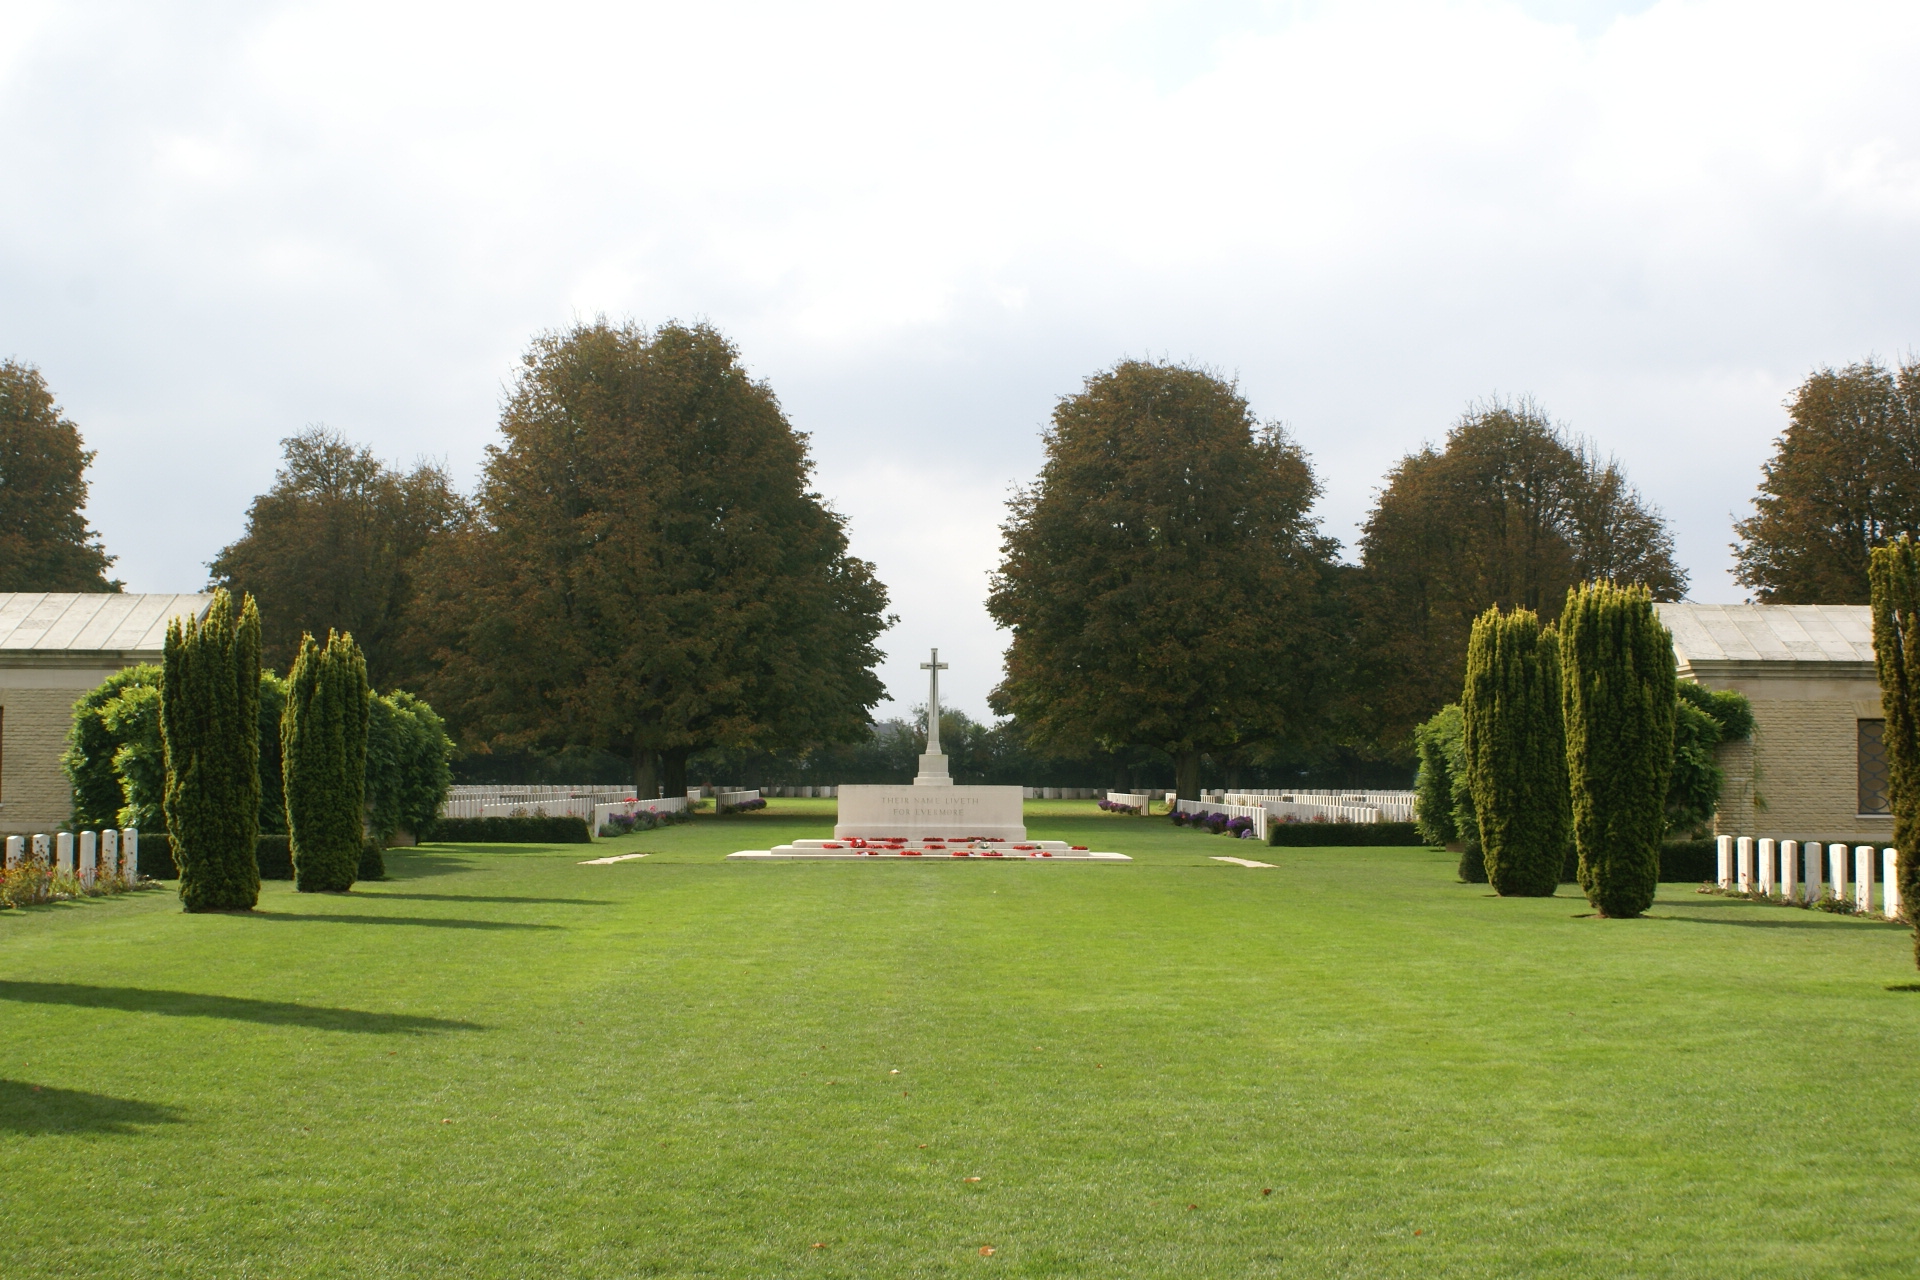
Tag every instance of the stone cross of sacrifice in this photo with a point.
(934, 668)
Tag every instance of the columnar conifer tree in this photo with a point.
(1894, 573)
(323, 752)
(1617, 695)
(1516, 751)
(209, 698)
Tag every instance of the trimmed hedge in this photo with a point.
(531, 830)
(274, 854)
(1688, 861)
(373, 863)
(1302, 835)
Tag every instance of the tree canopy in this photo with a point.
(45, 543)
(1844, 478)
(1162, 578)
(646, 570)
(333, 546)
(1510, 513)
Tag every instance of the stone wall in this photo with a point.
(38, 703)
(1798, 778)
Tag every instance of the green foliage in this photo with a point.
(274, 854)
(91, 746)
(646, 570)
(1516, 753)
(1443, 799)
(373, 863)
(1162, 579)
(1896, 652)
(1703, 719)
(1510, 512)
(334, 545)
(273, 788)
(1433, 787)
(45, 544)
(210, 691)
(140, 762)
(527, 830)
(1844, 478)
(323, 746)
(1688, 861)
(1618, 696)
(408, 755)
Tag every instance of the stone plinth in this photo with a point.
(918, 812)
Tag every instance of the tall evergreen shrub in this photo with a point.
(1617, 695)
(1516, 752)
(323, 753)
(209, 698)
(1443, 803)
(1894, 576)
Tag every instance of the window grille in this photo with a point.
(1873, 766)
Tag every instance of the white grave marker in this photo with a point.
(1863, 878)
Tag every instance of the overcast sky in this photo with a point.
(924, 224)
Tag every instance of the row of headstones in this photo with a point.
(113, 852)
(803, 793)
(1062, 793)
(1749, 865)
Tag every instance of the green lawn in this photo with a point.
(502, 1063)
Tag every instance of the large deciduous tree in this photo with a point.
(209, 729)
(1843, 479)
(1516, 751)
(333, 546)
(1618, 696)
(1162, 578)
(646, 570)
(45, 544)
(1895, 570)
(1511, 512)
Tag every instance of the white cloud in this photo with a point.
(923, 225)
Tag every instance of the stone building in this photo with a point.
(1816, 766)
(53, 648)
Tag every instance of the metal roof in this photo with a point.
(91, 622)
(1715, 633)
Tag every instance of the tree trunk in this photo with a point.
(646, 773)
(1186, 775)
(673, 772)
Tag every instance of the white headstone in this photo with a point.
(1789, 866)
(1723, 861)
(1863, 878)
(1890, 882)
(64, 861)
(1810, 851)
(1837, 869)
(1765, 851)
(87, 860)
(1743, 851)
(130, 852)
(16, 851)
(867, 812)
(110, 853)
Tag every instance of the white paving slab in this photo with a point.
(607, 862)
(1243, 862)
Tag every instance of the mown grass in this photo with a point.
(502, 1063)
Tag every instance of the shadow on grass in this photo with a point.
(423, 922)
(1903, 986)
(188, 1004)
(1807, 920)
(482, 897)
(405, 864)
(33, 1108)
